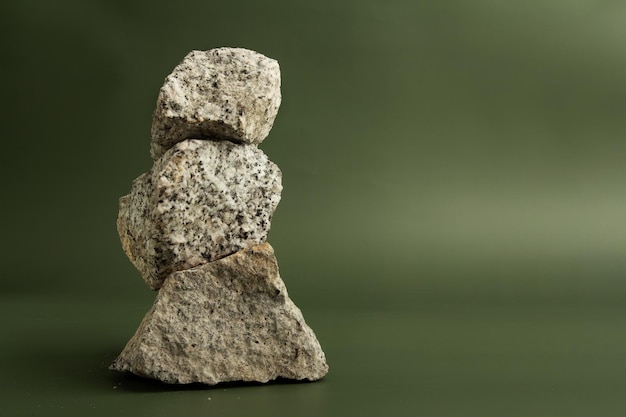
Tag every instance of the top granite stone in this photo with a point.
(221, 94)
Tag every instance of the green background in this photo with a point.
(452, 224)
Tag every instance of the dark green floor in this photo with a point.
(444, 355)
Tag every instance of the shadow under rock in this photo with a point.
(127, 381)
(90, 371)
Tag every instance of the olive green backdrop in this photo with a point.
(452, 224)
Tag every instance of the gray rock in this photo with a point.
(201, 201)
(229, 320)
(223, 93)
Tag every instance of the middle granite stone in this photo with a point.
(201, 201)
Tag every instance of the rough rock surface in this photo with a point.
(228, 320)
(201, 201)
(223, 93)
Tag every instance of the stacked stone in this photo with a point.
(196, 225)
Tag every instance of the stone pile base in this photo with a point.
(228, 320)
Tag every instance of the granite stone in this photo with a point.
(201, 201)
(228, 320)
(223, 93)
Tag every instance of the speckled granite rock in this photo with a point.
(228, 320)
(223, 93)
(201, 201)
(195, 227)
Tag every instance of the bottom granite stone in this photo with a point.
(228, 320)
